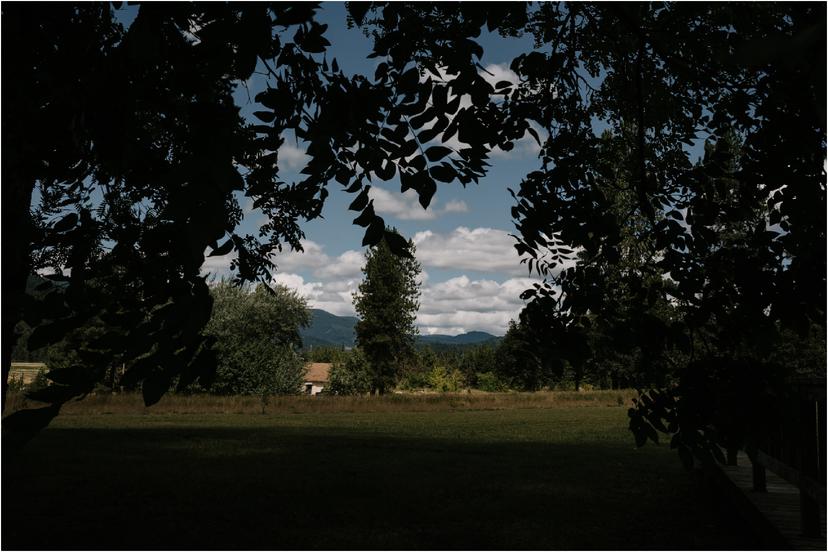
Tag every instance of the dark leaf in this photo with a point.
(374, 232)
(56, 393)
(686, 457)
(398, 245)
(367, 215)
(72, 375)
(358, 11)
(19, 427)
(443, 173)
(50, 333)
(266, 116)
(223, 249)
(435, 153)
(361, 201)
(154, 387)
(66, 223)
(426, 190)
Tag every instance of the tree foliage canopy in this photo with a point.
(255, 337)
(350, 375)
(146, 157)
(387, 304)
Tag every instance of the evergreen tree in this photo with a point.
(387, 304)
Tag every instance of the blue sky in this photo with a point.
(472, 277)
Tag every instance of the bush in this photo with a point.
(257, 337)
(415, 379)
(490, 382)
(442, 379)
(351, 377)
(39, 382)
(16, 384)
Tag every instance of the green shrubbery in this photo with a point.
(490, 382)
(257, 338)
(446, 380)
(351, 376)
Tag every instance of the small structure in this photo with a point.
(25, 372)
(316, 379)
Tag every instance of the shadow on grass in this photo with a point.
(323, 488)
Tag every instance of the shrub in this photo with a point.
(442, 379)
(351, 377)
(415, 379)
(490, 382)
(39, 382)
(16, 384)
(257, 337)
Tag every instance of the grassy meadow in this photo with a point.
(474, 471)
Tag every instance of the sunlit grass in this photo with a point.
(131, 403)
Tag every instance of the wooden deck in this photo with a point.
(774, 513)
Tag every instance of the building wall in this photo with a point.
(312, 388)
(25, 371)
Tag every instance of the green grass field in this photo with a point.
(522, 478)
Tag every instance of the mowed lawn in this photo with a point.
(543, 478)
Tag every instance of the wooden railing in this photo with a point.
(795, 450)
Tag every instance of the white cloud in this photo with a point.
(481, 249)
(334, 297)
(456, 206)
(218, 267)
(404, 206)
(496, 72)
(292, 157)
(347, 265)
(451, 307)
(460, 305)
(313, 258)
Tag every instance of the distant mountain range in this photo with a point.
(328, 330)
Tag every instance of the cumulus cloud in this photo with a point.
(496, 72)
(292, 157)
(461, 304)
(336, 297)
(481, 249)
(217, 267)
(454, 306)
(456, 206)
(451, 306)
(320, 264)
(486, 250)
(406, 206)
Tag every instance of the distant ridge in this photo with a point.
(329, 330)
(462, 339)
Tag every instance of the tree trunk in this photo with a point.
(20, 134)
(16, 202)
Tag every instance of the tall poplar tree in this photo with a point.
(387, 305)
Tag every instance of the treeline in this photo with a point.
(253, 342)
(258, 351)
